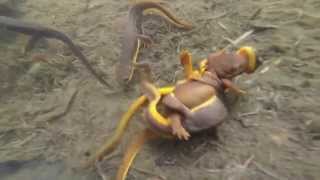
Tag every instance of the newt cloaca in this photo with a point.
(133, 38)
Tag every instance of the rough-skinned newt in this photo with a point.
(192, 105)
(195, 104)
(37, 32)
(133, 37)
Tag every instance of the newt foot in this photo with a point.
(180, 132)
(185, 57)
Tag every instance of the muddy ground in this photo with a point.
(55, 110)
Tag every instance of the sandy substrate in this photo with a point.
(58, 111)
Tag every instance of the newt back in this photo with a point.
(131, 41)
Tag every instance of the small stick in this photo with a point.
(244, 166)
(229, 40)
(248, 161)
(239, 39)
(199, 27)
(26, 140)
(259, 27)
(256, 13)
(223, 27)
(100, 171)
(149, 173)
(60, 112)
(267, 172)
(248, 114)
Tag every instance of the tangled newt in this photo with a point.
(37, 32)
(133, 37)
(193, 105)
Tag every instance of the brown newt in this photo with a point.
(196, 104)
(37, 32)
(192, 105)
(133, 37)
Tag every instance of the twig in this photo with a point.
(214, 17)
(239, 167)
(259, 27)
(256, 13)
(115, 154)
(213, 170)
(100, 171)
(26, 140)
(239, 39)
(223, 27)
(248, 161)
(248, 114)
(149, 173)
(18, 144)
(199, 159)
(228, 39)
(60, 112)
(267, 172)
(201, 26)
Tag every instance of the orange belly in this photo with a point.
(193, 93)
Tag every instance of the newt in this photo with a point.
(133, 38)
(193, 105)
(196, 104)
(37, 32)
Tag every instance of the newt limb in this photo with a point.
(145, 39)
(177, 129)
(229, 85)
(186, 62)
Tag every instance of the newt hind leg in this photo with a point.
(186, 62)
(146, 40)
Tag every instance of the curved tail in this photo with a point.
(132, 151)
(111, 144)
(149, 7)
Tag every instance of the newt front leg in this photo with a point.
(177, 129)
(232, 87)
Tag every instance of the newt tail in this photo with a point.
(37, 32)
(133, 37)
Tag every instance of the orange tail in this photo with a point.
(132, 151)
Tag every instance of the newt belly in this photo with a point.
(203, 112)
(210, 114)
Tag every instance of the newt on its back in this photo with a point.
(133, 36)
(193, 105)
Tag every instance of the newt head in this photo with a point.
(229, 65)
(250, 55)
